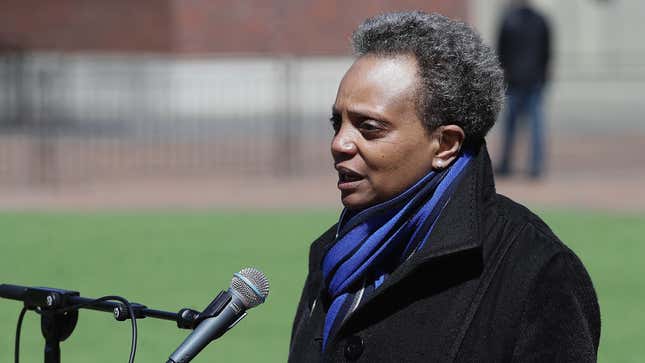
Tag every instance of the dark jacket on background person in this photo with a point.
(492, 284)
(524, 47)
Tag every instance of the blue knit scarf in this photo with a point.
(370, 244)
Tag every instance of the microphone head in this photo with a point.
(251, 285)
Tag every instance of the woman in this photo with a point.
(427, 262)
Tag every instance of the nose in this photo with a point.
(343, 145)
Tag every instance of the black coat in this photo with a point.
(524, 47)
(492, 284)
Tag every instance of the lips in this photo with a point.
(348, 178)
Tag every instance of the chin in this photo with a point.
(356, 202)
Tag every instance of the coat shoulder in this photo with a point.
(561, 283)
(535, 244)
(544, 290)
(534, 234)
(560, 318)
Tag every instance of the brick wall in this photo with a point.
(284, 26)
(197, 26)
(69, 25)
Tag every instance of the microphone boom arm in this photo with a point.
(58, 311)
(52, 299)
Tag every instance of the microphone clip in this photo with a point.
(189, 318)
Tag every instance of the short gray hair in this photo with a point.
(461, 82)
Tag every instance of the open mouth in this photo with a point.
(346, 176)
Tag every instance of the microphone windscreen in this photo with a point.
(251, 285)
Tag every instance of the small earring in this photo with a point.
(439, 163)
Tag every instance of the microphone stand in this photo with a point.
(57, 326)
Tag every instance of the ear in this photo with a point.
(450, 139)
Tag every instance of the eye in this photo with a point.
(335, 122)
(371, 127)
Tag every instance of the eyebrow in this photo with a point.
(360, 112)
(365, 113)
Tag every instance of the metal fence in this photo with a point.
(71, 118)
(68, 118)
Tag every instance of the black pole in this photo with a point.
(52, 351)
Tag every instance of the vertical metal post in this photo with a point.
(44, 157)
(287, 142)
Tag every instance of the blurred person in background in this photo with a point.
(427, 262)
(524, 48)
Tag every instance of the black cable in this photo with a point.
(16, 351)
(133, 319)
(133, 344)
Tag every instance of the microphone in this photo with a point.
(249, 288)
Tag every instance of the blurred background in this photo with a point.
(152, 148)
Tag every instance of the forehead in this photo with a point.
(379, 82)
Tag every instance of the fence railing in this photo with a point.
(77, 117)
(67, 118)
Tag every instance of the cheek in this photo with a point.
(386, 167)
(390, 159)
(394, 170)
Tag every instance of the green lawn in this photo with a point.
(173, 260)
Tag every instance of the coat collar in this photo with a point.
(459, 228)
(457, 237)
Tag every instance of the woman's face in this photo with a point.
(380, 146)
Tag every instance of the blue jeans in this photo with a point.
(521, 100)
